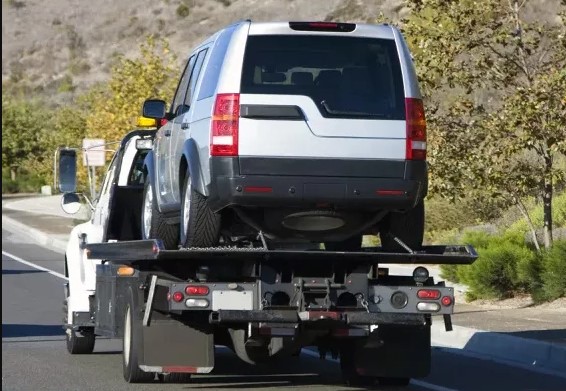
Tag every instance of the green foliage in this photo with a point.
(554, 271)
(480, 147)
(115, 107)
(25, 125)
(183, 10)
(520, 226)
(494, 274)
(26, 182)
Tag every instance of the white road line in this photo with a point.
(418, 383)
(18, 259)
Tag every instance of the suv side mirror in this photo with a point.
(67, 170)
(154, 108)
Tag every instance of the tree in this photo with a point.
(24, 124)
(115, 107)
(477, 63)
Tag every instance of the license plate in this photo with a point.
(232, 300)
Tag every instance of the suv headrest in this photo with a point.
(302, 78)
(328, 78)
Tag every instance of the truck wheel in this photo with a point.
(153, 224)
(78, 342)
(200, 226)
(351, 244)
(350, 374)
(408, 226)
(251, 354)
(130, 354)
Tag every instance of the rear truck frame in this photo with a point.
(171, 307)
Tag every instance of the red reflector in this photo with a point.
(178, 297)
(416, 129)
(341, 332)
(323, 26)
(179, 369)
(225, 125)
(196, 290)
(162, 121)
(390, 192)
(257, 189)
(446, 301)
(428, 294)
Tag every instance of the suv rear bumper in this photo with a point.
(352, 184)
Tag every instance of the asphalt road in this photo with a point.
(34, 355)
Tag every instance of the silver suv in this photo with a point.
(301, 131)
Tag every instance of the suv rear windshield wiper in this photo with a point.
(351, 113)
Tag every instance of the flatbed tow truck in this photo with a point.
(343, 303)
(172, 307)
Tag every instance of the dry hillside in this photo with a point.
(49, 43)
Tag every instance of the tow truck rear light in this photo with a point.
(225, 125)
(446, 301)
(196, 290)
(323, 26)
(416, 129)
(200, 303)
(428, 307)
(178, 297)
(428, 294)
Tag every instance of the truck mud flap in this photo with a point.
(171, 346)
(395, 351)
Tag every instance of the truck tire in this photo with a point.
(200, 226)
(78, 342)
(153, 224)
(408, 226)
(350, 374)
(131, 344)
(351, 244)
(250, 354)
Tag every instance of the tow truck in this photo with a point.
(172, 307)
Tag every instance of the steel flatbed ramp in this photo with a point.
(144, 250)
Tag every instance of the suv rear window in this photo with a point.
(347, 77)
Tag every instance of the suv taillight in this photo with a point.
(225, 123)
(416, 129)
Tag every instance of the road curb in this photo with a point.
(35, 234)
(528, 353)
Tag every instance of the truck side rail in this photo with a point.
(153, 249)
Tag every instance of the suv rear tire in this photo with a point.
(153, 224)
(407, 226)
(200, 226)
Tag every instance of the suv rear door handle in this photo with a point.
(184, 125)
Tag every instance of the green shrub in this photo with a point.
(24, 183)
(494, 274)
(182, 10)
(554, 271)
(450, 272)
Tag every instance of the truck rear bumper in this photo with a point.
(354, 318)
